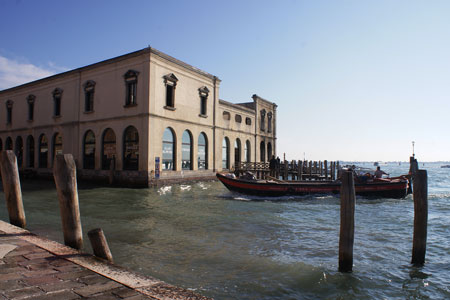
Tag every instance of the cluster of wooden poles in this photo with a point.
(347, 225)
(64, 173)
(295, 170)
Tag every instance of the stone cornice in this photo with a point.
(144, 51)
(236, 106)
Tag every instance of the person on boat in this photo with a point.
(379, 173)
(273, 166)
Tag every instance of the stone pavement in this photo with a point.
(32, 267)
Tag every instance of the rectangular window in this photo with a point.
(203, 102)
(131, 93)
(30, 111)
(89, 101)
(57, 107)
(9, 115)
(169, 96)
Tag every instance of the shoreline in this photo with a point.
(117, 276)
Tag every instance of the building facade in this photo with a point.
(143, 117)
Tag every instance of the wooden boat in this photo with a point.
(385, 188)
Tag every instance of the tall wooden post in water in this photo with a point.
(347, 229)
(65, 176)
(11, 187)
(420, 195)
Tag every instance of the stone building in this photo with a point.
(145, 115)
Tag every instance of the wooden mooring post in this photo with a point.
(420, 195)
(347, 228)
(300, 170)
(11, 188)
(99, 244)
(64, 173)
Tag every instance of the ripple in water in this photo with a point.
(232, 246)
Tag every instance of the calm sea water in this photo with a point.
(224, 245)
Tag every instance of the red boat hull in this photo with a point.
(385, 189)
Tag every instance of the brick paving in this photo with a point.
(28, 271)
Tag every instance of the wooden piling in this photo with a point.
(99, 244)
(347, 228)
(420, 195)
(11, 188)
(310, 170)
(325, 165)
(64, 173)
(286, 169)
(300, 170)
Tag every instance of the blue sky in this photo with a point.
(353, 80)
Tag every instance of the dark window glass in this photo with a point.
(131, 93)
(30, 100)
(168, 150)
(263, 152)
(89, 150)
(108, 148)
(186, 151)
(169, 96)
(269, 122)
(247, 151)
(203, 103)
(8, 143)
(225, 153)
(202, 152)
(43, 151)
(237, 151)
(89, 101)
(9, 115)
(131, 149)
(131, 87)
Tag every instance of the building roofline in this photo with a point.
(236, 106)
(147, 50)
(264, 100)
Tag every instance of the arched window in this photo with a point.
(237, 151)
(263, 152)
(269, 151)
(89, 150)
(30, 151)
(8, 143)
(168, 150)
(108, 148)
(131, 149)
(226, 153)
(19, 151)
(57, 145)
(248, 151)
(43, 151)
(263, 116)
(202, 152)
(186, 151)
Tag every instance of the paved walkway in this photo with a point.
(36, 268)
